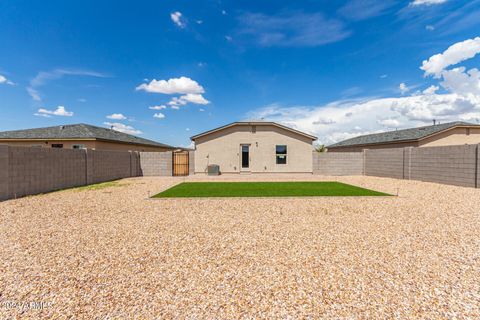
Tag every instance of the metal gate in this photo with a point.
(180, 163)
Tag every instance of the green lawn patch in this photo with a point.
(264, 189)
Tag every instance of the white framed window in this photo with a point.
(78, 146)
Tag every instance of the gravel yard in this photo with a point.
(114, 253)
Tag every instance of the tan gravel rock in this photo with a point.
(114, 253)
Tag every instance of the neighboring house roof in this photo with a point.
(78, 131)
(405, 135)
(253, 123)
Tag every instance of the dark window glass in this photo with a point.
(57, 145)
(245, 156)
(281, 154)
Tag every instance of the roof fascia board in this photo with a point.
(193, 138)
(136, 143)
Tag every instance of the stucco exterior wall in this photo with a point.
(456, 136)
(223, 148)
(191, 162)
(67, 144)
(89, 144)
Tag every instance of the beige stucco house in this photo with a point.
(445, 134)
(254, 147)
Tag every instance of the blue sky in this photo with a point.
(166, 70)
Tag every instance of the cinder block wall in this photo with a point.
(384, 163)
(110, 165)
(26, 171)
(477, 172)
(454, 165)
(338, 163)
(136, 170)
(156, 163)
(4, 173)
(37, 170)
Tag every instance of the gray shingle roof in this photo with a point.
(399, 135)
(79, 131)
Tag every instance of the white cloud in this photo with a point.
(456, 53)
(4, 80)
(60, 111)
(194, 98)
(403, 88)
(157, 107)
(435, 106)
(34, 94)
(182, 85)
(159, 115)
(292, 29)
(191, 145)
(122, 128)
(391, 123)
(201, 110)
(43, 77)
(175, 107)
(426, 2)
(116, 116)
(178, 19)
(344, 119)
(188, 98)
(429, 27)
(365, 9)
(190, 89)
(229, 38)
(177, 102)
(42, 115)
(460, 81)
(431, 90)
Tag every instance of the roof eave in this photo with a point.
(372, 144)
(136, 143)
(193, 138)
